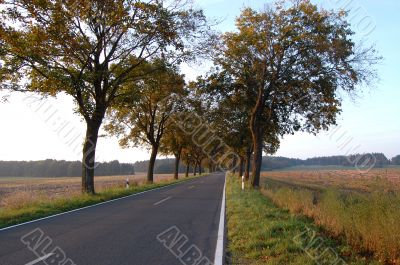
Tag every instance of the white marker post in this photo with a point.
(127, 182)
(242, 182)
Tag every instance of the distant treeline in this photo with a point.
(373, 159)
(166, 166)
(55, 168)
(162, 166)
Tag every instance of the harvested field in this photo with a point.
(17, 192)
(386, 179)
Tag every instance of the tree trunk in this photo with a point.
(195, 169)
(89, 156)
(256, 129)
(200, 169)
(187, 170)
(177, 160)
(248, 162)
(257, 162)
(150, 170)
(241, 165)
(234, 165)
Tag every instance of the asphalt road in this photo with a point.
(174, 225)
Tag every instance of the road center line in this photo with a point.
(157, 203)
(39, 259)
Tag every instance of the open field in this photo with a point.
(386, 179)
(26, 201)
(17, 192)
(362, 209)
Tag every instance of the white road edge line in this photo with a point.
(40, 259)
(219, 250)
(159, 202)
(191, 187)
(91, 206)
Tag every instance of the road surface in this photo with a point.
(173, 225)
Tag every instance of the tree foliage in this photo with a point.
(141, 116)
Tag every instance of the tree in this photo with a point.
(193, 156)
(141, 115)
(89, 50)
(293, 61)
(173, 142)
(395, 160)
(229, 110)
(231, 117)
(198, 155)
(187, 159)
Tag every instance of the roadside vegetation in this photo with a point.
(259, 232)
(367, 219)
(21, 210)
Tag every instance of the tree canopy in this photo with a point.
(141, 116)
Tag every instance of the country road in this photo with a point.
(174, 225)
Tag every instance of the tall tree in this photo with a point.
(231, 119)
(212, 132)
(89, 50)
(173, 143)
(187, 159)
(198, 155)
(141, 115)
(293, 60)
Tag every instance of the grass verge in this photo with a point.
(40, 209)
(369, 222)
(261, 233)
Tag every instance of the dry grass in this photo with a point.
(18, 193)
(363, 210)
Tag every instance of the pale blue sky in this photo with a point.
(370, 124)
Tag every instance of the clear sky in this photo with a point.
(33, 130)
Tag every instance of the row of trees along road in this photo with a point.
(93, 51)
(280, 72)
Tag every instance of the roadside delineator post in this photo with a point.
(127, 183)
(242, 182)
